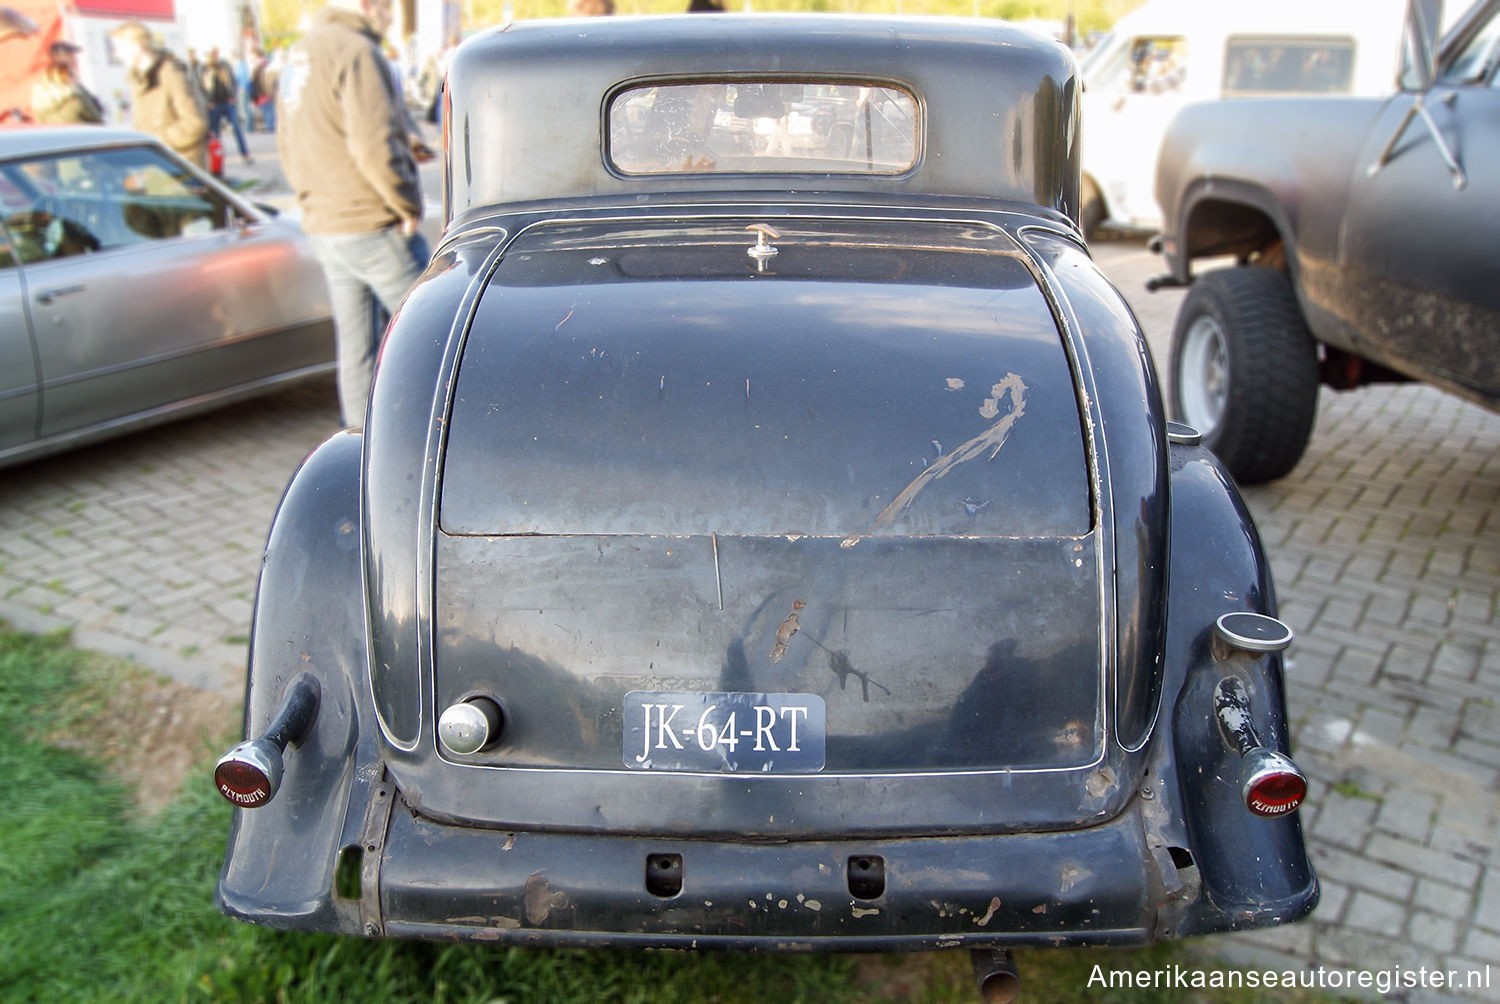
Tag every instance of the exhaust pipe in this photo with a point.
(995, 975)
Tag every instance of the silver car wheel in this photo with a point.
(1203, 374)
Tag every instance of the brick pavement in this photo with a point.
(1384, 545)
(148, 547)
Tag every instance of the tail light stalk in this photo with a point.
(1269, 782)
(250, 774)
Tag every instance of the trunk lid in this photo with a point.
(853, 472)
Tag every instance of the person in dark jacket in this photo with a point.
(341, 131)
(219, 87)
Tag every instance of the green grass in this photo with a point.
(98, 903)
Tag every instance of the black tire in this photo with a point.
(1245, 371)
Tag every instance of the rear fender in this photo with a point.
(1253, 871)
(309, 619)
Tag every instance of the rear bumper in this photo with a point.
(1098, 886)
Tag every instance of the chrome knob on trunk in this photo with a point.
(469, 726)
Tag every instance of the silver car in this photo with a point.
(135, 288)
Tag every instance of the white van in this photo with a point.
(1168, 53)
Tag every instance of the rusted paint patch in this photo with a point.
(540, 900)
(784, 633)
(1071, 737)
(1100, 783)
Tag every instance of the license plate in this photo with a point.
(738, 733)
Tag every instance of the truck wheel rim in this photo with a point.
(1203, 375)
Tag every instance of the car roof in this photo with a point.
(30, 140)
(529, 101)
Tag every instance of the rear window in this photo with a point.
(1288, 66)
(764, 126)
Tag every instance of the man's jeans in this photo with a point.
(228, 112)
(364, 271)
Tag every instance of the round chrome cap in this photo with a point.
(1251, 632)
(1182, 434)
(469, 726)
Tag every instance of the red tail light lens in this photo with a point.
(1275, 790)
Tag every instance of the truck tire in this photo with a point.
(1245, 371)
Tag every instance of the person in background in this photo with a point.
(57, 97)
(219, 87)
(164, 103)
(591, 8)
(341, 132)
(242, 65)
(263, 89)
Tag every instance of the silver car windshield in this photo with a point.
(748, 126)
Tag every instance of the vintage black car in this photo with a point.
(1365, 231)
(760, 543)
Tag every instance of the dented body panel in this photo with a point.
(836, 598)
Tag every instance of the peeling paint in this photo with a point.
(992, 439)
(1071, 736)
(540, 900)
(784, 633)
(954, 383)
(1071, 874)
(863, 912)
(989, 914)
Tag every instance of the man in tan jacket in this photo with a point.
(164, 102)
(342, 137)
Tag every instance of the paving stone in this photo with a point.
(1333, 899)
(1429, 930)
(1420, 860)
(1408, 817)
(1483, 947)
(1442, 898)
(1361, 873)
(1487, 915)
(1345, 821)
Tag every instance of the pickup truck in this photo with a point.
(1362, 231)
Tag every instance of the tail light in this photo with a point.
(1270, 783)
